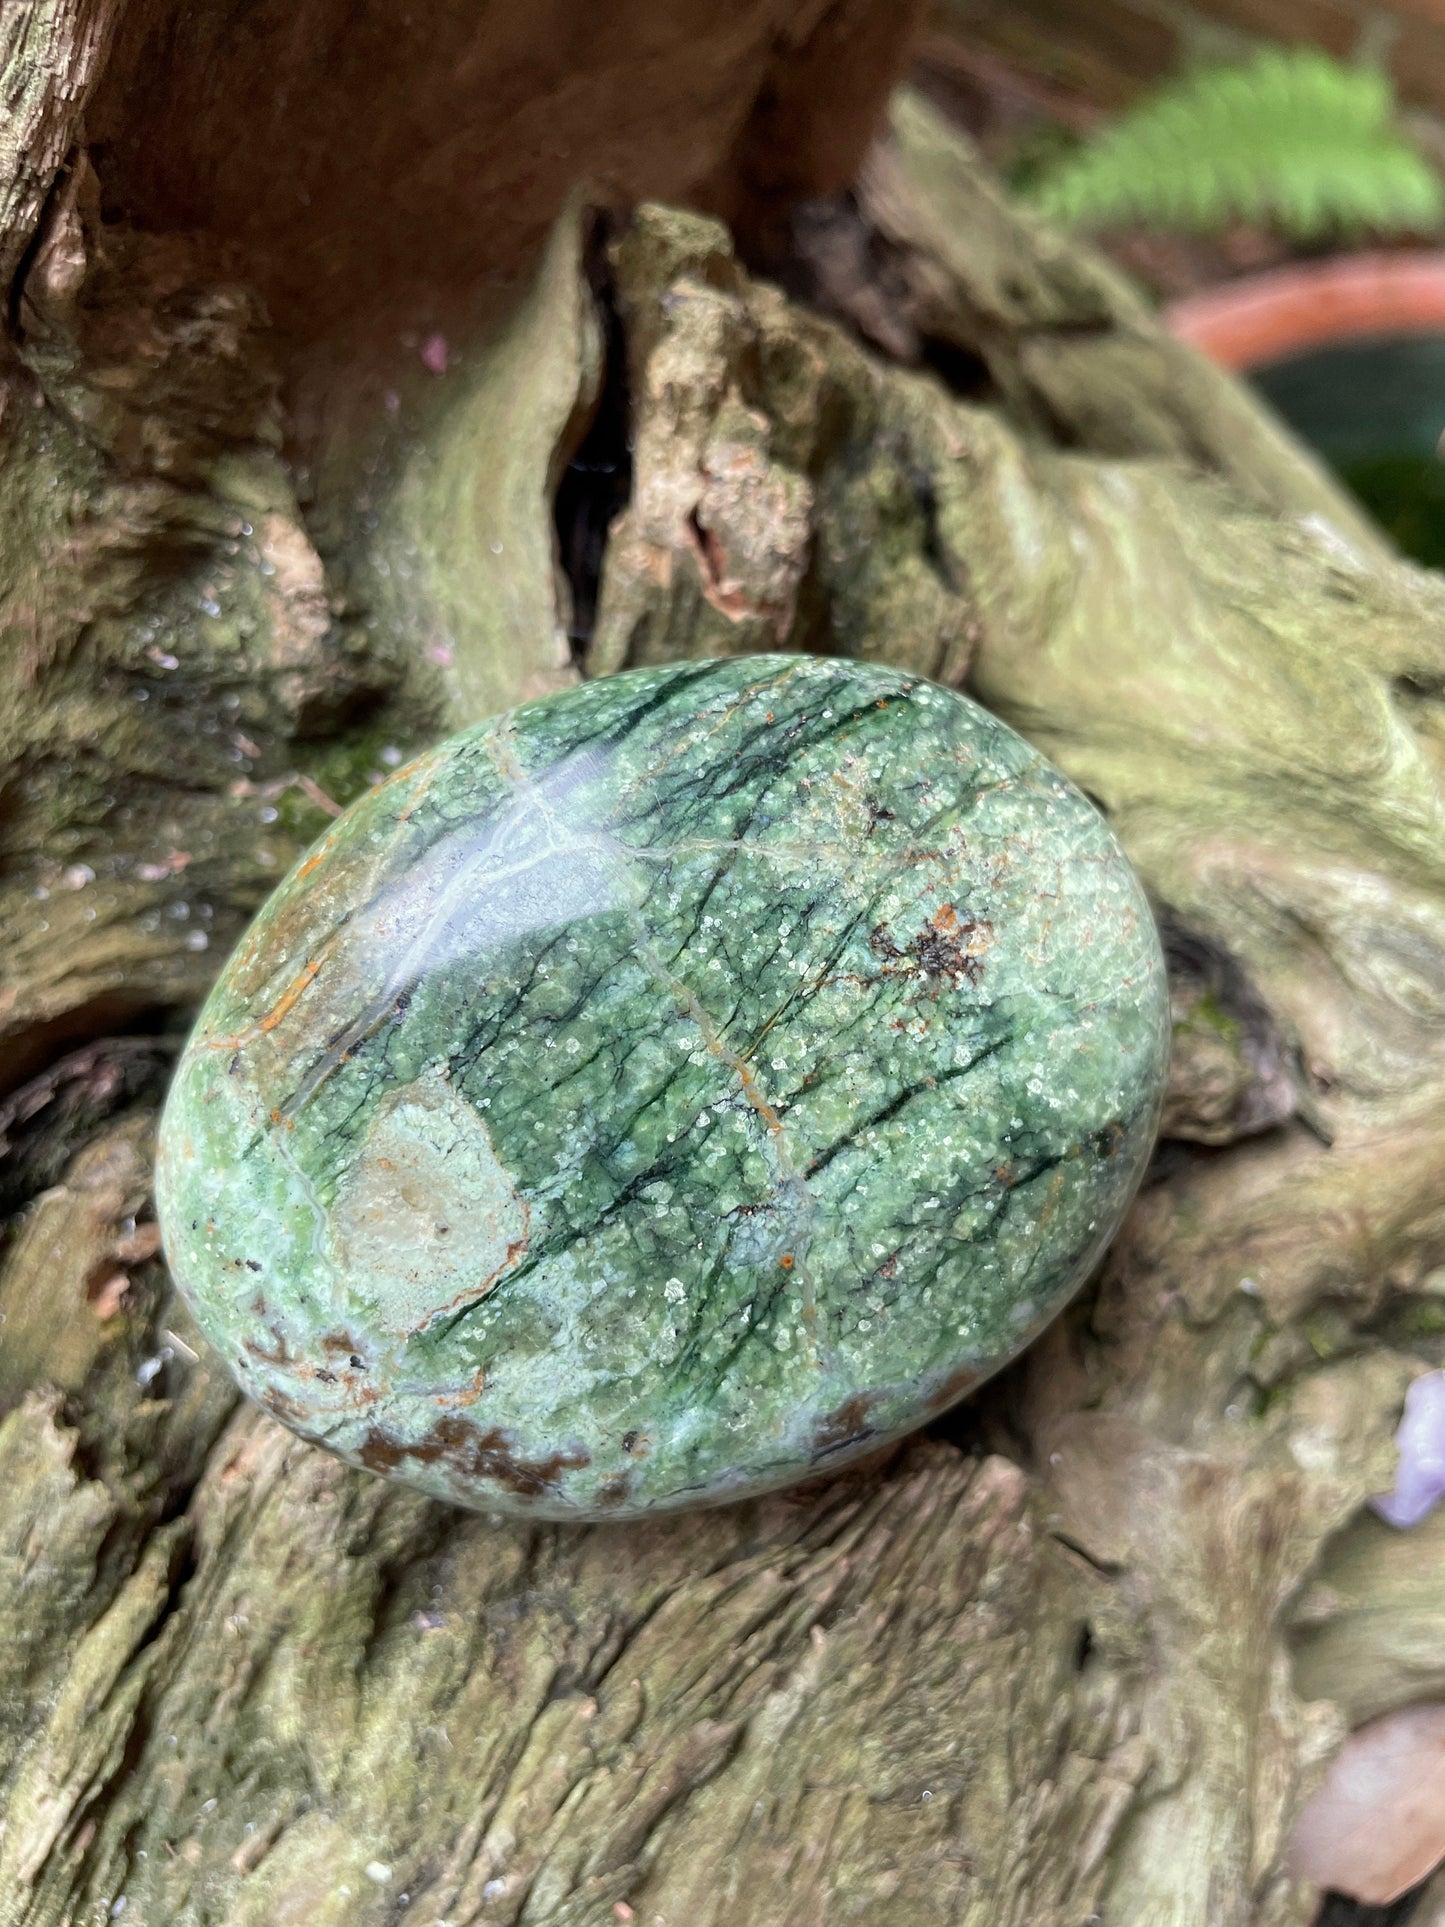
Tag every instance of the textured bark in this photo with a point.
(1078, 1655)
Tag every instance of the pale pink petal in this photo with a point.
(1420, 1472)
(1377, 1825)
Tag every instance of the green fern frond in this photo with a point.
(1292, 138)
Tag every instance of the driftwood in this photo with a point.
(357, 381)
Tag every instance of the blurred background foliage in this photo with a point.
(1289, 137)
(1204, 145)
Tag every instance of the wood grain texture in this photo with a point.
(51, 57)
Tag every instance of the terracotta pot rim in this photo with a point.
(1315, 304)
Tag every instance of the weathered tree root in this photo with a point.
(1079, 1655)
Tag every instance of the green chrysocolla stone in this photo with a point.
(668, 1089)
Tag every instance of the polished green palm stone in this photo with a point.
(668, 1090)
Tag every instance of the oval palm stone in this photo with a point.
(668, 1089)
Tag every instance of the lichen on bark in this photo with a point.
(1080, 1653)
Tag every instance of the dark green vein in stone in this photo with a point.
(897, 1104)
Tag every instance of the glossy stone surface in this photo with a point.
(669, 1089)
